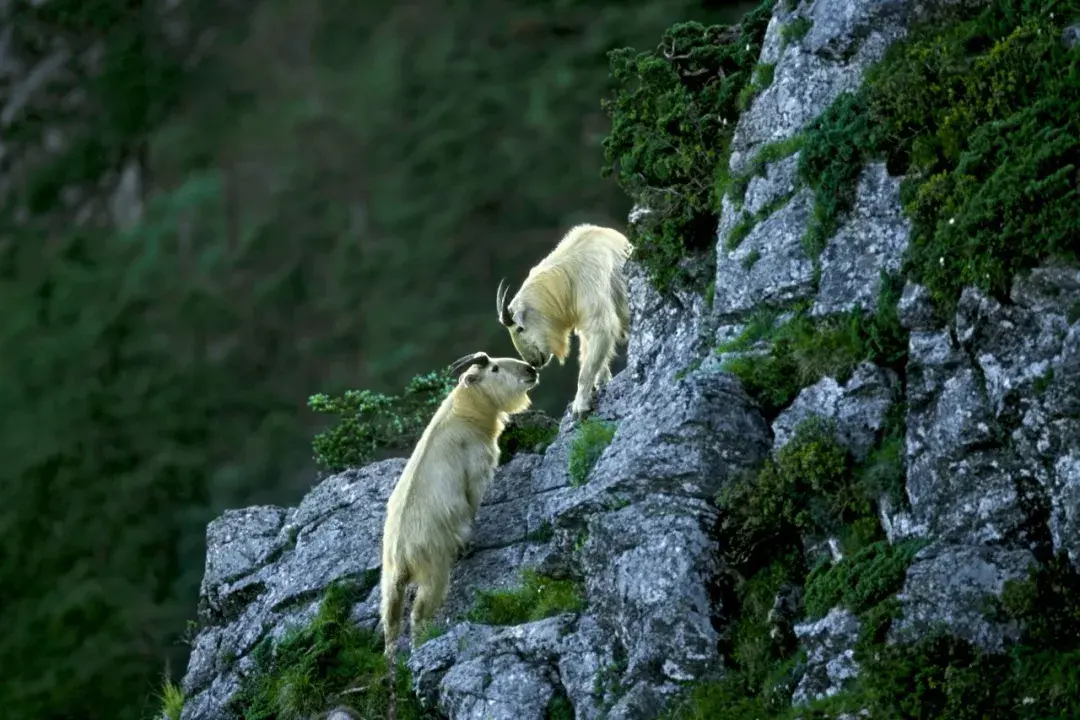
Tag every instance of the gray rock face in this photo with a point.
(780, 180)
(857, 408)
(948, 586)
(770, 266)
(871, 241)
(993, 419)
(830, 655)
(1070, 36)
(638, 535)
(845, 38)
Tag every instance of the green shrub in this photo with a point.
(309, 669)
(672, 117)
(590, 440)
(808, 489)
(536, 598)
(370, 423)
(982, 114)
(861, 580)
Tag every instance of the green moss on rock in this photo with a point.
(833, 150)
(590, 440)
(531, 431)
(311, 667)
(805, 349)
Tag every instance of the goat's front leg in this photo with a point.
(596, 352)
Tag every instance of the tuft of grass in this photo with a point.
(861, 580)
(536, 598)
(590, 440)
(795, 30)
(370, 423)
(751, 259)
(431, 631)
(172, 700)
(559, 708)
(672, 116)
(326, 663)
(758, 327)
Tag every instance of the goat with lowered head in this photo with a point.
(430, 513)
(578, 288)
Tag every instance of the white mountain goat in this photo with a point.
(430, 513)
(578, 288)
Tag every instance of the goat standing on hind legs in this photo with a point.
(430, 513)
(579, 287)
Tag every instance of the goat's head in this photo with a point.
(530, 330)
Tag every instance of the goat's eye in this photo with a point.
(494, 368)
(520, 329)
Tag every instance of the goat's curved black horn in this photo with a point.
(477, 358)
(500, 304)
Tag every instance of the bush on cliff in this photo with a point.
(672, 117)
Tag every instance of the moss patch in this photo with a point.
(590, 440)
(832, 156)
(370, 423)
(531, 431)
(536, 598)
(319, 666)
(795, 30)
(804, 349)
(672, 116)
(748, 222)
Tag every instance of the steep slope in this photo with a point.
(835, 482)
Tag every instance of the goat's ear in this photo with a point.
(519, 318)
(470, 378)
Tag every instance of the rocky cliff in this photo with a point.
(925, 455)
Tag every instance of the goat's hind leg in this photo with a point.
(430, 595)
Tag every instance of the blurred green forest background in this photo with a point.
(330, 192)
